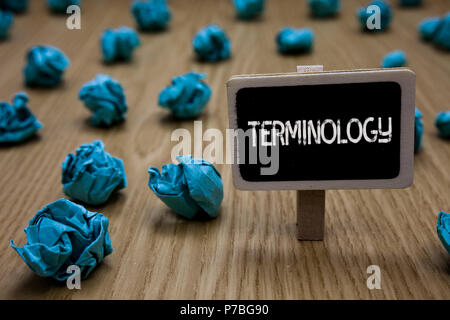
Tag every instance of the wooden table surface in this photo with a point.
(250, 251)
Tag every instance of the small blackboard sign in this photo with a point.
(326, 130)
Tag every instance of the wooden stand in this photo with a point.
(310, 203)
(310, 214)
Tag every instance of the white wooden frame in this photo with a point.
(403, 76)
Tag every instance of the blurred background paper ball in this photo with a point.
(428, 26)
(17, 122)
(151, 15)
(6, 22)
(410, 3)
(394, 59)
(104, 96)
(324, 8)
(212, 44)
(249, 9)
(441, 35)
(418, 130)
(119, 44)
(187, 96)
(45, 66)
(16, 6)
(437, 30)
(442, 123)
(366, 17)
(290, 40)
(443, 229)
(60, 6)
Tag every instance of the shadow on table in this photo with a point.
(87, 126)
(32, 140)
(169, 222)
(116, 199)
(34, 287)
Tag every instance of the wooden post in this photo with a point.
(310, 203)
(310, 214)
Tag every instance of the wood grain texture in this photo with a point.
(250, 251)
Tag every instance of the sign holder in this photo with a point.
(384, 160)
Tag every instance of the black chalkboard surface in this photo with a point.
(350, 130)
(334, 161)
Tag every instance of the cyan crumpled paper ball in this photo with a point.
(187, 96)
(92, 174)
(60, 6)
(249, 9)
(151, 15)
(212, 44)
(63, 234)
(443, 229)
(291, 40)
(6, 22)
(324, 8)
(192, 186)
(385, 15)
(442, 123)
(437, 30)
(427, 27)
(16, 6)
(418, 130)
(394, 59)
(17, 123)
(45, 66)
(119, 44)
(104, 96)
(410, 3)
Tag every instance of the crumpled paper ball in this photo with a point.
(92, 174)
(16, 6)
(291, 40)
(442, 123)
(60, 6)
(45, 66)
(418, 130)
(17, 123)
(192, 186)
(104, 96)
(385, 15)
(443, 229)
(437, 30)
(410, 3)
(6, 22)
(151, 15)
(427, 27)
(394, 59)
(119, 44)
(63, 234)
(187, 96)
(211, 44)
(249, 9)
(324, 8)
